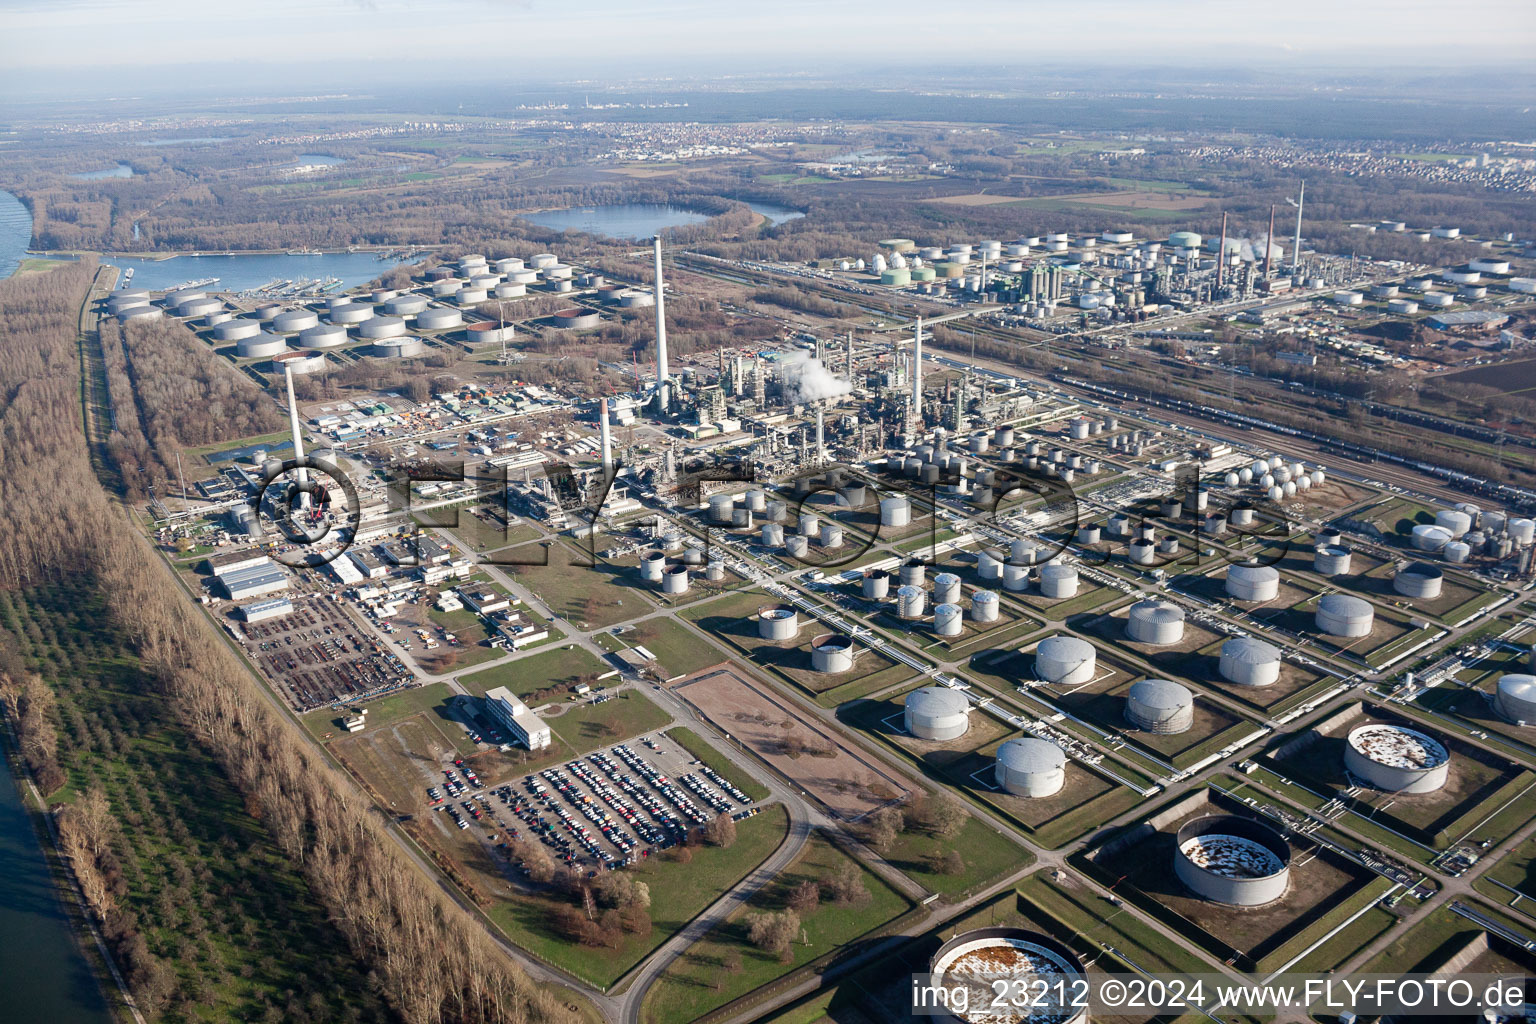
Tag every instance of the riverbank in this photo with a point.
(158, 256)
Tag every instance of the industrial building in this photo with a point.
(528, 728)
(1396, 759)
(936, 713)
(270, 608)
(1030, 766)
(1229, 858)
(1160, 706)
(254, 581)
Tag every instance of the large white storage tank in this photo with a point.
(1057, 580)
(777, 623)
(1155, 622)
(1232, 859)
(936, 713)
(1396, 759)
(1331, 560)
(1515, 698)
(1160, 706)
(1253, 582)
(1419, 580)
(1030, 766)
(1453, 520)
(1065, 660)
(1344, 615)
(895, 512)
(948, 620)
(1249, 662)
(946, 588)
(832, 652)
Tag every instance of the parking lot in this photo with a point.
(605, 809)
(318, 656)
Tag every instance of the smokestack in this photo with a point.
(1296, 245)
(607, 438)
(1221, 254)
(1269, 241)
(298, 439)
(917, 374)
(821, 435)
(848, 357)
(662, 382)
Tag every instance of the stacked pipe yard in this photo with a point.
(832, 653)
(1515, 698)
(1065, 660)
(1253, 582)
(1232, 859)
(777, 623)
(1249, 662)
(1343, 615)
(1160, 706)
(1419, 580)
(1396, 759)
(1153, 621)
(936, 713)
(1031, 767)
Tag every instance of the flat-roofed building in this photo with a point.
(484, 600)
(270, 608)
(254, 581)
(234, 561)
(525, 726)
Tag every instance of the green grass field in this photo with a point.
(535, 672)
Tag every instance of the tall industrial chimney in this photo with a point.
(1221, 253)
(917, 374)
(821, 435)
(1296, 244)
(1269, 241)
(298, 439)
(607, 437)
(662, 381)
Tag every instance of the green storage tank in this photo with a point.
(950, 271)
(923, 274)
(896, 276)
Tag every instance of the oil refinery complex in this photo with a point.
(1217, 681)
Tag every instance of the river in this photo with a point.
(639, 220)
(247, 271)
(43, 974)
(15, 233)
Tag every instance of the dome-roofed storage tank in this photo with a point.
(1065, 660)
(1015, 576)
(234, 330)
(294, 321)
(948, 620)
(773, 535)
(797, 544)
(1515, 698)
(984, 606)
(260, 345)
(323, 336)
(936, 713)
(1160, 706)
(720, 506)
(832, 652)
(381, 327)
(910, 601)
(405, 305)
(1344, 615)
(1249, 662)
(1331, 560)
(1419, 580)
(1453, 520)
(1031, 766)
(989, 564)
(946, 588)
(1057, 580)
(439, 318)
(777, 622)
(1396, 759)
(1253, 582)
(1233, 859)
(1430, 538)
(350, 313)
(1155, 622)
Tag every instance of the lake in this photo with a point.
(43, 973)
(120, 171)
(639, 220)
(15, 233)
(248, 271)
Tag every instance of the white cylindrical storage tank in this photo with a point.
(1454, 521)
(914, 572)
(260, 345)
(214, 319)
(1419, 580)
(1155, 622)
(199, 307)
(946, 588)
(936, 713)
(831, 535)
(910, 602)
(444, 288)
(948, 620)
(1065, 660)
(323, 336)
(438, 318)
(1232, 859)
(1522, 531)
(1088, 533)
(1031, 767)
(989, 564)
(797, 544)
(876, 584)
(471, 296)
(1515, 698)
(399, 348)
(405, 305)
(1430, 538)
(720, 506)
(351, 313)
(1160, 706)
(652, 565)
(832, 652)
(756, 501)
(777, 623)
(294, 320)
(1249, 662)
(773, 535)
(540, 260)
(381, 327)
(776, 511)
(1015, 576)
(674, 580)
(984, 606)
(1456, 551)
(1253, 582)
(234, 330)
(1241, 517)
(810, 524)
(1396, 759)
(1344, 615)
(1142, 552)
(1057, 580)
(1330, 560)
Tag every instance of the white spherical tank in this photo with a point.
(1155, 622)
(1249, 662)
(1232, 859)
(1031, 767)
(1344, 615)
(936, 713)
(832, 652)
(1253, 582)
(1515, 698)
(1396, 759)
(777, 623)
(1065, 660)
(1160, 706)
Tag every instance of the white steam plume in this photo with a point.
(805, 380)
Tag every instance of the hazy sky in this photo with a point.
(574, 38)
